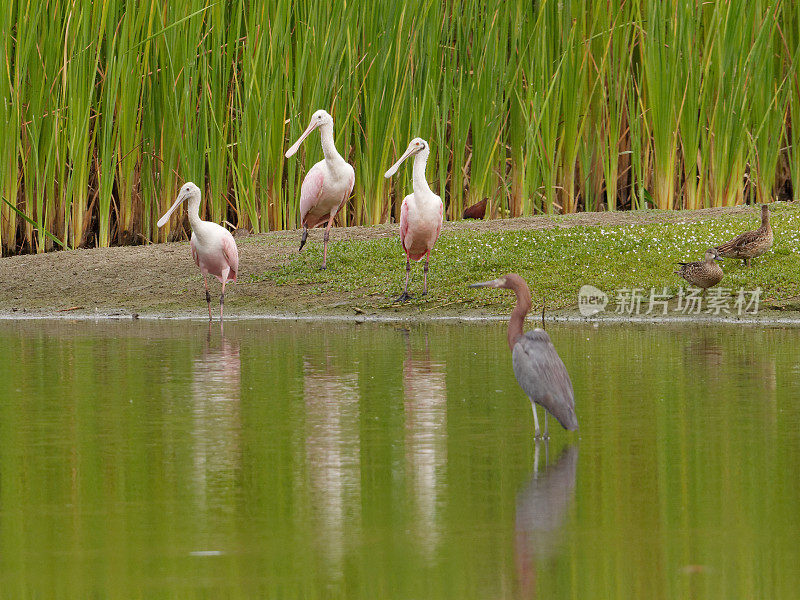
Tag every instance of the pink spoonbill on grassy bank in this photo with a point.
(420, 214)
(213, 247)
(539, 370)
(327, 185)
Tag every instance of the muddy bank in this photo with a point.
(161, 280)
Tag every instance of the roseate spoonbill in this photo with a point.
(749, 244)
(213, 247)
(420, 214)
(703, 274)
(539, 370)
(327, 184)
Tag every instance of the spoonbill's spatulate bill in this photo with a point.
(538, 367)
(327, 185)
(213, 247)
(420, 214)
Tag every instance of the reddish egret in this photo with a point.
(213, 247)
(749, 244)
(703, 274)
(420, 214)
(540, 372)
(327, 184)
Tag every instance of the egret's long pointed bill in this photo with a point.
(291, 151)
(393, 169)
(163, 220)
(493, 283)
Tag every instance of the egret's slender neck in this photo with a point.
(420, 184)
(194, 211)
(521, 309)
(328, 146)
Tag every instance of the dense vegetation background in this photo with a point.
(538, 106)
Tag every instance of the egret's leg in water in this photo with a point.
(536, 435)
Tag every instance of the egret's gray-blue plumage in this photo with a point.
(543, 377)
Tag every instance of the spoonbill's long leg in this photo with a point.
(325, 241)
(405, 295)
(208, 297)
(425, 271)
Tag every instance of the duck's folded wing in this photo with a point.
(740, 241)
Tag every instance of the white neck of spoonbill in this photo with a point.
(328, 145)
(420, 184)
(194, 210)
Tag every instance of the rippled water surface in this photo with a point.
(308, 460)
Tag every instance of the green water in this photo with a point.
(303, 460)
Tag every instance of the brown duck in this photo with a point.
(703, 274)
(751, 243)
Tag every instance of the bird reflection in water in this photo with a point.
(217, 423)
(542, 507)
(425, 401)
(333, 458)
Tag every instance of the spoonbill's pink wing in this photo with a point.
(310, 192)
(231, 253)
(441, 220)
(195, 256)
(403, 222)
(349, 190)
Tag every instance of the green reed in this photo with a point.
(538, 107)
(789, 28)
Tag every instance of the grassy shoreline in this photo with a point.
(557, 255)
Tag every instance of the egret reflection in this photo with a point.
(542, 507)
(333, 457)
(425, 403)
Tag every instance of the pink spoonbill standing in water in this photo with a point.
(213, 247)
(327, 185)
(420, 214)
